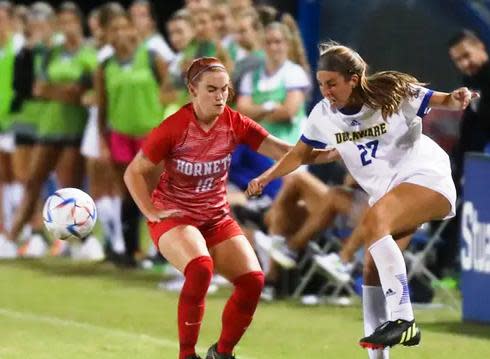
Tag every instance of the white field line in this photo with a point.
(160, 341)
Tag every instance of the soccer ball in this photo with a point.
(69, 213)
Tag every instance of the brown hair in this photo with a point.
(290, 31)
(108, 11)
(383, 90)
(200, 66)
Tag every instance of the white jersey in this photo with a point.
(380, 154)
(157, 43)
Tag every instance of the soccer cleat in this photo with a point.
(283, 255)
(332, 264)
(213, 353)
(392, 333)
(194, 356)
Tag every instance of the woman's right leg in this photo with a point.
(185, 248)
(38, 173)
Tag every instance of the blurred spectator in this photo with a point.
(66, 72)
(250, 36)
(470, 57)
(275, 96)
(225, 26)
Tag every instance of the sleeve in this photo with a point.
(159, 45)
(297, 79)
(418, 104)
(246, 86)
(311, 132)
(159, 142)
(249, 132)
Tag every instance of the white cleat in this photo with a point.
(284, 256)
(91, 250)
(331, 263)
(35, 247)
(8, 249)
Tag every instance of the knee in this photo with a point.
(373, 225)
(198, 274)
(250, 285)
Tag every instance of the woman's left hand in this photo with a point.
(463, 96)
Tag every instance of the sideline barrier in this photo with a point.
(475, 239)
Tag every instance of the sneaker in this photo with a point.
(8, 249)
(284, 256)
(34, 247)
(90, 250)
(213, 353)
(392, 333)
(331, 263)
(266, 242)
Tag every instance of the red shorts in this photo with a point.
(213, 232)
(124, 147)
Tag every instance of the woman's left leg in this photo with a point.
(399, 211)
(235, 259)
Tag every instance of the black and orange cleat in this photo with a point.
(392, 333)
(213, 353)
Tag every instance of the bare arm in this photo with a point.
(101, 99)
(246, 106)
(457, 100)
(282, 113)
(273, 147)
(135, 178)
(68, 93)
(289, 108)
(162, 69)
(294, 158)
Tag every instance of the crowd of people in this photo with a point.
(80, 111)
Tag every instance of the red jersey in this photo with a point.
(197, 162)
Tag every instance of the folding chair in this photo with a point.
(333, 238)
(417, 260)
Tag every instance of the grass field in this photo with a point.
(55, 308)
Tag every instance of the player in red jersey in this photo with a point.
(188, 214)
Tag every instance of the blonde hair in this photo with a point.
(290, 30)
(383, 90)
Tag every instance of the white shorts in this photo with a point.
(90, 142)
(7, 142)
(432, 171)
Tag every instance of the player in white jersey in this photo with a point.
(373, 123)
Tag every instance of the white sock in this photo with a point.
(104, 214)
(105, 211)
(118, 240)
(393, 276)
(17, 193)
(375, 313)
(12, 197)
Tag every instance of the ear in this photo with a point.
(354, 80)
(192, 90)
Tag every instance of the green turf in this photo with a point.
(55, 308)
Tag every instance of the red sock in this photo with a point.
(198, 274)
(239, 310)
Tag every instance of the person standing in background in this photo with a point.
(67, 72)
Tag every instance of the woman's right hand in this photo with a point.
(256, 186)
(159, 214)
